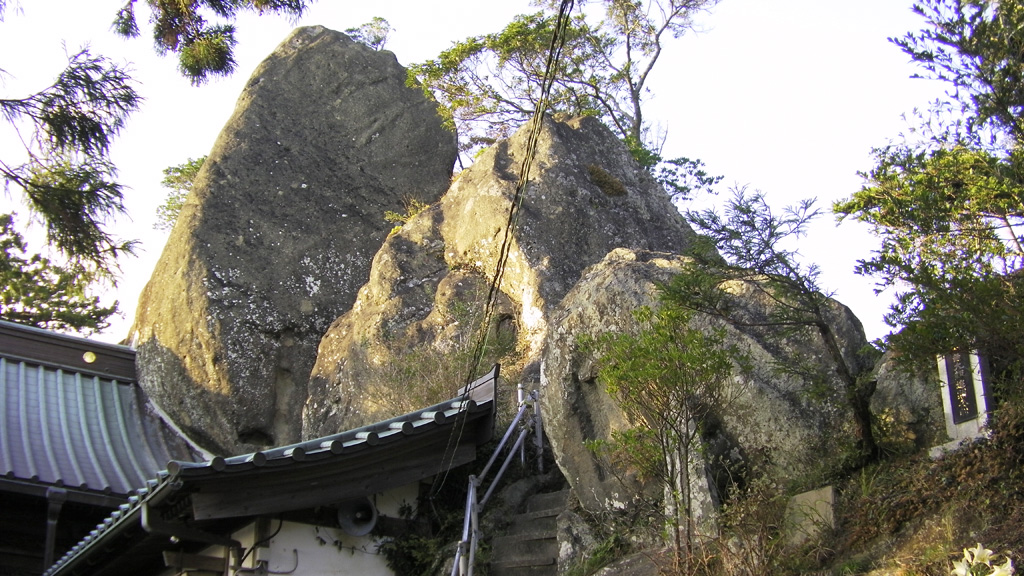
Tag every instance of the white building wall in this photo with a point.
(305, 550)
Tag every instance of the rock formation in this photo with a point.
(278, 234)
(793, 427)
(282, 293)
(285, 307)
(428, 283)
(409, 333)
(908, 404)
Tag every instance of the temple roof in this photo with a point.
(72, 417)
(201, 499)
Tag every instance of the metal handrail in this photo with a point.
(465, 553)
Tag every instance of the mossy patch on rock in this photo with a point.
(608, 184)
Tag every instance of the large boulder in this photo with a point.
(794, 428)
(278, 234)
(430, 282)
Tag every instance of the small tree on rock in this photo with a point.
(487, 86)
(178, 181)
(746, 246)
(373, 34)
(670, 380)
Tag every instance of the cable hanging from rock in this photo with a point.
(550, 70)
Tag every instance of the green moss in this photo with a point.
(608, 184)
(604, 553)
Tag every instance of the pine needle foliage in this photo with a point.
(205, 48)
(69, 181)
(37, 292)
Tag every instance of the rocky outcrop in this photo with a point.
(282, 292)
(794, 427)
(278, 234)
(416, 316)
(908, 405)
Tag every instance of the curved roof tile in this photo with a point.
(331, 453)
(62, 425)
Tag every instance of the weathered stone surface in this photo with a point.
(575, 538)
(795, 427)
(908, 405)
(278, 233)
(428, 285)
(646, 563)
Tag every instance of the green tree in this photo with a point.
(488, 85)
(68, 179)
(66, 176)
(950, 224)
(205, 48)
(178, 181)
(747, 246)
(374, 33)
(669, 380)
(975, 46)
(37, 292)
(948, 208)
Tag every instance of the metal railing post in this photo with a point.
(474, 534)
(459, 567)
(538, 427)
(465, 554)
(521, 398)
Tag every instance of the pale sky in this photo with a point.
(787, 97)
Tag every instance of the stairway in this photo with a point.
(530, 545)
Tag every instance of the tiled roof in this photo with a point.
(87, 427)
(350, 464)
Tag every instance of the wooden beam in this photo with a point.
(286, 492)
(68, 352)
(183, 561)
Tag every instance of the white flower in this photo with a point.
(978, 555)
(960, 568)
(1005, 570)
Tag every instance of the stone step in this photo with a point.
(524, 571)
(523, 523)
(549, 513)
(508, 548)
(548, 501)
(506, 568)
(527, 532)
(530, 546)
(522, 564)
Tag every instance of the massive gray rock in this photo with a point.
(792, 427)
(278, 234)
(410, 329)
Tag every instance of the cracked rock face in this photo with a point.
(278, 234)
(794, 427)
(429, 283)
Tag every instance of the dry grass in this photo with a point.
(913, 516)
